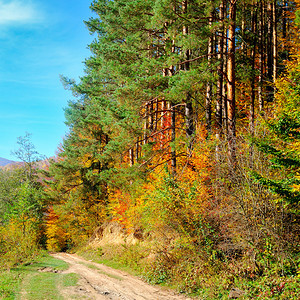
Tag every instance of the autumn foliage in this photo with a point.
(185, 129)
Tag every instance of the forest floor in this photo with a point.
(98, 281)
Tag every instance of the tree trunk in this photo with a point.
(162, 120)
(190, 128)
(171, 107)
(137, 150)
(252, 103)
(209, 84)
(243, 28)
(270, 52)
(253, 53)
(261, 58)
(219, 97)
(173, 137)
(131, 157)
(274, 33)
(284, 19)
(224, 91)
(231, 84)
(146, 125)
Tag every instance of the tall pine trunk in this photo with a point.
(253, 54)
(231, 84)
(189, 123)
(209, 84)
(220, 90)
(171, 108)
(253, 75)
(274, 40)
(261, 57)
(270, 92)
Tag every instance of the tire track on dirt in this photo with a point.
(101, 282)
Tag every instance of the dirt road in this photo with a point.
(101, 282)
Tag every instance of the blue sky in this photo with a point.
(39, 40)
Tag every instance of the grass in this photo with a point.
(42, 286)
(9, 284)
(102, 272)
(209, 281)
(28, 281)
(70, 279)
(93, 256)
(89, 265)
(113, 256)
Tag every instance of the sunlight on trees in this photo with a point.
(185, 128)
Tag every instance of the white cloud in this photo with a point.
(18, 12)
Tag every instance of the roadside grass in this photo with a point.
(197, 280)
(10, 283)
(70, 279)
(111, 257)
(31, 282)
(90, 266)
(42, 286)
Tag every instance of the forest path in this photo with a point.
(98, 281)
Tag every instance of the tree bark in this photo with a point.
(173, 128)
(231, 84)
(224, 91)
(284, 19)
(131, 157)
(146, 125)
(173, 138)
(219, 98)
(253, 53)
(137, 150)
(274, 32)
(270, 58)
(261, 57)
(190, 128)
(209, 84)
(170, 107)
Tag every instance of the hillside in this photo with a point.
(9, 164)
(4, 161)
(183, 132)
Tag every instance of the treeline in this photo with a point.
(186, 125)
(22, 207)
(186, 121)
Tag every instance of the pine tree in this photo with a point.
(283, 149)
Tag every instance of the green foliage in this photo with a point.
(18, 244)
(21, 210)
(157, 273)
(282, 146)
(10, 183)
(27, 204)
(297, 19)
(20, 224)
(149, 62)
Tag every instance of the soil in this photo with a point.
(98, 281)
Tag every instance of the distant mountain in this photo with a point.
(7, 164)
(4, 162)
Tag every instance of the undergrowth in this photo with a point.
(188, 272)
